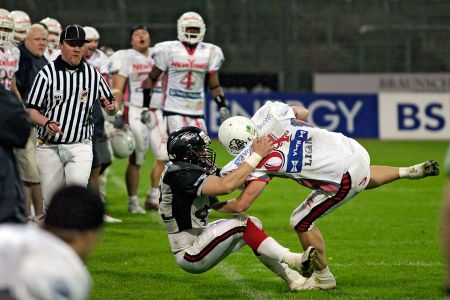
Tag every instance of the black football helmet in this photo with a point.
(190, 144)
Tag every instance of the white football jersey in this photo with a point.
(9, 64)
(136, 67)
(99, 60)
(38, 265)
(314, 157)
(186, 71)
(51, 54)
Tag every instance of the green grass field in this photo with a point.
(383, 244)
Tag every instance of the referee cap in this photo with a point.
(75, 207)
(73, 33)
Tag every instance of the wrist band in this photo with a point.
(253, 160)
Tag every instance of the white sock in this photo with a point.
(291, 258)
(153, 194)
(271, 248)
(324, 272)
(403, 172)
(133, 199)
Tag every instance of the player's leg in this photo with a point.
(158, 143)
(132, 175)
(380, 175)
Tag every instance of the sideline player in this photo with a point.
(188, 191)
(131, 70)
(22, 24)
(54, 31)
(9, 53)
(186, 63)
(101, 148)
(334, 166)
(46, 263)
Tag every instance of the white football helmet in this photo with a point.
(6, 28)
(91, 33)
(236, 133)
(190, 20)
(54, 31)
(122, 142)
(22, 23)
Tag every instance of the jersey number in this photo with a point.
(188, 80)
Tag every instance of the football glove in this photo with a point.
(224, 114)
(119, 122)
(147, 119)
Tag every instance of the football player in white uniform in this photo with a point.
(22, 23)
(54, 31)
(132, 71)
(9, 53)
(189, 188)
(101, 147)
(186, 63)
(334, 166)
(47, 263)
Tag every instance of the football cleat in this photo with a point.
(317, 282)
(306, 266)
(109, 219)
(134, 208)
(150, 204)
(425, 169)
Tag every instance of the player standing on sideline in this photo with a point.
(22, 24)
(189, 189)
(9, 53)
(61, 102)
(32, 60)
(334, 166)
(101, 148)
(132, 70)
(186, 63)
(54, 31)
(46, 263)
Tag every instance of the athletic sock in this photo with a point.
(133, 199)
(153, 195)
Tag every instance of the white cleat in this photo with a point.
(151, 204)
(317, 282)
(109, 219)
(306, 266)
(134, 208)
(425, 169)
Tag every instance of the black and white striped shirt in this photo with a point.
(66, 94)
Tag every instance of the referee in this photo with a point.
(61, 101)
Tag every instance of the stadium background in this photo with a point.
(287, 41)
(385, 244)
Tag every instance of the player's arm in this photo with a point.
(215, 185)
(149, 84)
(244, 200)
(218, 95)
(14, 88)
(300, 112)
(118, 86)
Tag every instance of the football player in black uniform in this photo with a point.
(188, 191)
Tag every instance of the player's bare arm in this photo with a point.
(118, 85)
(214, 85)
(244, 200)
(153, 77)
(216, 185)
(300, 112)
(51, 127)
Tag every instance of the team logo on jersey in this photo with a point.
(295, 156)
(84, 95)
(58, 95)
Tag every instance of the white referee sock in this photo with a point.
(133, 199)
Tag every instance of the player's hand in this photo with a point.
(52, 128)
(119, 122)
(147, 118)
(224, 114)
(262, 146)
